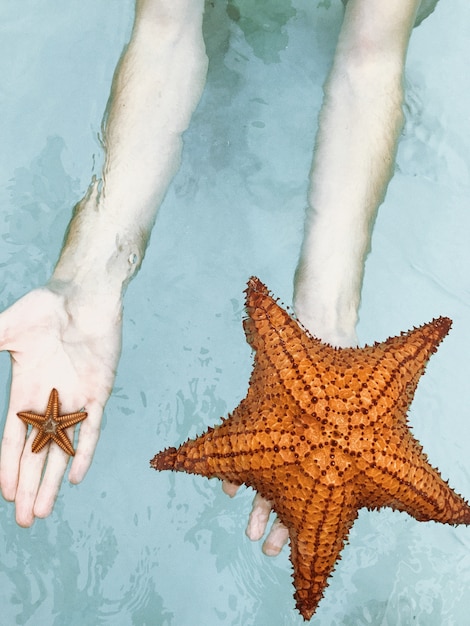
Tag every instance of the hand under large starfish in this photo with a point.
(51, 425)
(322, 433)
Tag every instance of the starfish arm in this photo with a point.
(71, 419)
(31, 418)
(165, 460)
(221, 461)
(236, 450)
(407, 482)
(40, 441)
(267, 323)
(52, 409)
(63, 441)
(281, 345)
(316, 546)
(407, 355)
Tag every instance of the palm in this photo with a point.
(53, 342)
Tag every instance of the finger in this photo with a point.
(6, 320)
(13, 443)
(258, 518)
(88, 438)
(12, 448)
(49, 486)
(31, 468)
(12, 319)
(277, 538)
(229, 488)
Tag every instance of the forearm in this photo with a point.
(157, 85)
(359, 127)
(352, 167)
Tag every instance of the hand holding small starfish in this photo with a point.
(56, 338)
(51, 425)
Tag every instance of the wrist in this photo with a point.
(327, 308)
(100, 255)
(88, 311)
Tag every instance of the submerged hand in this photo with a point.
(55, 340)
(258, 520)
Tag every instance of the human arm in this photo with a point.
(358, 131)
(359, 127)
(68, 333)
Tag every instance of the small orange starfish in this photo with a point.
(322, 433)
(52, 425)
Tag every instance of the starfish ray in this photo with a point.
(51, 425)
(323, 433)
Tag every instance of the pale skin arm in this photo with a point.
(68, 334)
(73, 339)
(359, 127)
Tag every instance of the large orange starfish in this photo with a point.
(51, 425)
(321, 433)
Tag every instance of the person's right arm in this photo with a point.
(359, 126)
(354, 158)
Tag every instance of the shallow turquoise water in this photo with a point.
(130, 546)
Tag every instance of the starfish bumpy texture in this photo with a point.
(322, 433)
(51, 426)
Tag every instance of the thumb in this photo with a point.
(7, 326)
(15, 319)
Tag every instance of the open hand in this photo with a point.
(55, 340)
